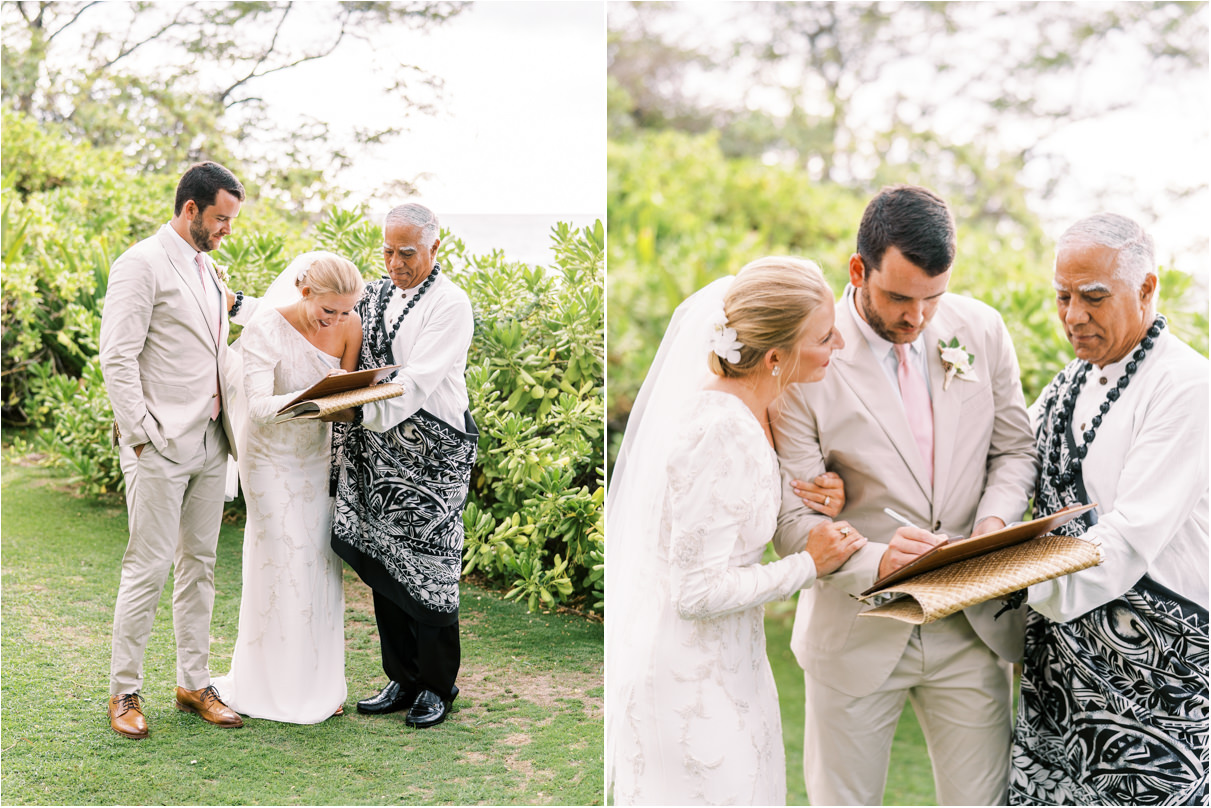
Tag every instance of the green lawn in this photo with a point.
(909, 776)
(527, 726)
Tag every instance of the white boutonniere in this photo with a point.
(721, 339)
(222, 273)
(956, 361)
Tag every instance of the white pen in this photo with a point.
(899, 518)
(907, 523)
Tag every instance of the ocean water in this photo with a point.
(522, 236)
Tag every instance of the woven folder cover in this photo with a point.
(352, 398)
(935, 594)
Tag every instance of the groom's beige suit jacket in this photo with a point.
(853, 423)
(160, 354)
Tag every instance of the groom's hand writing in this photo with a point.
(906, 545)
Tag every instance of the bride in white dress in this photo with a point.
(692, 709)
(289, 659)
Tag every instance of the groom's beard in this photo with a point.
(200, 235)
(879, 325)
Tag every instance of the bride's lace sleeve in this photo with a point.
(263, 351)
(716, 485)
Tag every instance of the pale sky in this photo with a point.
(522, 125)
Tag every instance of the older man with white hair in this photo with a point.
(403, 467)
(1114, 699)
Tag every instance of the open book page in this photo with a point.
(325, 405)
(340, 382)
(325, 396)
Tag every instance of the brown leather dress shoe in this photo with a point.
(126, 715)
(206, 703)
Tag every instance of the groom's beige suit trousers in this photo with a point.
(175, 511)
(960, 693)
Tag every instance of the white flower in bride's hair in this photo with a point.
(722, 339)
(956, 361)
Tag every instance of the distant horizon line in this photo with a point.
(441, 213)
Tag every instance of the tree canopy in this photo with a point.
(168, 84)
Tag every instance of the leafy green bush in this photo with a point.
(536, 383)
(67, 212)
(74, 425)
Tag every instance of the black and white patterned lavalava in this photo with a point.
(1114, 704)
(400, 497)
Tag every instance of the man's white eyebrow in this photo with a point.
(1096, 286)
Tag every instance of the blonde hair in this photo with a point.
(768, 305)
(329, 273)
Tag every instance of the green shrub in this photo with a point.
(535, 370)
(74, 423)
(535, 378)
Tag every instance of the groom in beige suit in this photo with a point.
(953, 456)
(163, 344)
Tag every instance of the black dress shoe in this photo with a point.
(390, 699)
(429, 709)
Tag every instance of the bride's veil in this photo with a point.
(283, 291)
(634, 576)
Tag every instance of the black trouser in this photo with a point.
(418, 656)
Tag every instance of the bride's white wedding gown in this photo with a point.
(289, 659)
(700, 704)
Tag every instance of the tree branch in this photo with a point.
(67, 24)
(127, 51)
(253, 74)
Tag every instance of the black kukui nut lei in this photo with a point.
(386, 299)
(1063, 417)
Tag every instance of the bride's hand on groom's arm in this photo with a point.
(830, 544)
(825, 494)
(906, 545)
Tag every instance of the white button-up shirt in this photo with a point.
(432, 345)
(1147, 471)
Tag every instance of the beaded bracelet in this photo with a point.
(235, 307)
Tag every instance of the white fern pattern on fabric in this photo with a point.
(703, 725)
(289, 659)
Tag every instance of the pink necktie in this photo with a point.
(215, 328)
(917, 406)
